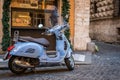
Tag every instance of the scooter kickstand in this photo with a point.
(33, 70)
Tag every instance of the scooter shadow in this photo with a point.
(40, 71)
(47, 70)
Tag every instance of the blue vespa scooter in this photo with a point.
(28, 52)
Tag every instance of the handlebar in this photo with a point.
(46, 33)
(56, 29)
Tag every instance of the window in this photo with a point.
(21, 18)
(116, 8)
(31, 13)
(95, 7)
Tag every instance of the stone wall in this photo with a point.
(101, 9)
(82, 16)
(105, 30)
(105, 20)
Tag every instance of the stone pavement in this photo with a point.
(105, 66)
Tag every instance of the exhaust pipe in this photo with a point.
(23, 64)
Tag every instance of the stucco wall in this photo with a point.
(71, 20)
(1, 23)
(105, 30)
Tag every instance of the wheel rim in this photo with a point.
(16, 67)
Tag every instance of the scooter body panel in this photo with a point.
(35, 50)
(28, 49)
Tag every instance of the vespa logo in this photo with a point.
(30, 50)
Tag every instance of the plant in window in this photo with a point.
(65, 14)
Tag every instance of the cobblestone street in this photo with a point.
(105, 66)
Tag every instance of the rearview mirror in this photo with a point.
(40, 25)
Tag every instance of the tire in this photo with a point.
(70, 63)
(14, 68)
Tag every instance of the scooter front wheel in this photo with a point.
(15, 68)
(70, 63)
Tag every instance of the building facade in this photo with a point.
(27, 14)
(105, 20)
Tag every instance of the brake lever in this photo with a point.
(43, 33)
(46, 33)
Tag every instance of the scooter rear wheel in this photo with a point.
(70, 63)
(15, 68)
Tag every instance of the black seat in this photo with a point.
(41, 41)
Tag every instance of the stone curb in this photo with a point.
(3, 64)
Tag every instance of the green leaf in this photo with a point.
(5, 23)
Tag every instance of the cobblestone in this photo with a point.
(105, 66)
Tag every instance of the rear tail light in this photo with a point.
(7, 55)
(10, 48)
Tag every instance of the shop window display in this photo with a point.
(30, 13)
(21, 18)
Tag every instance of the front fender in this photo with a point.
(69, 53)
